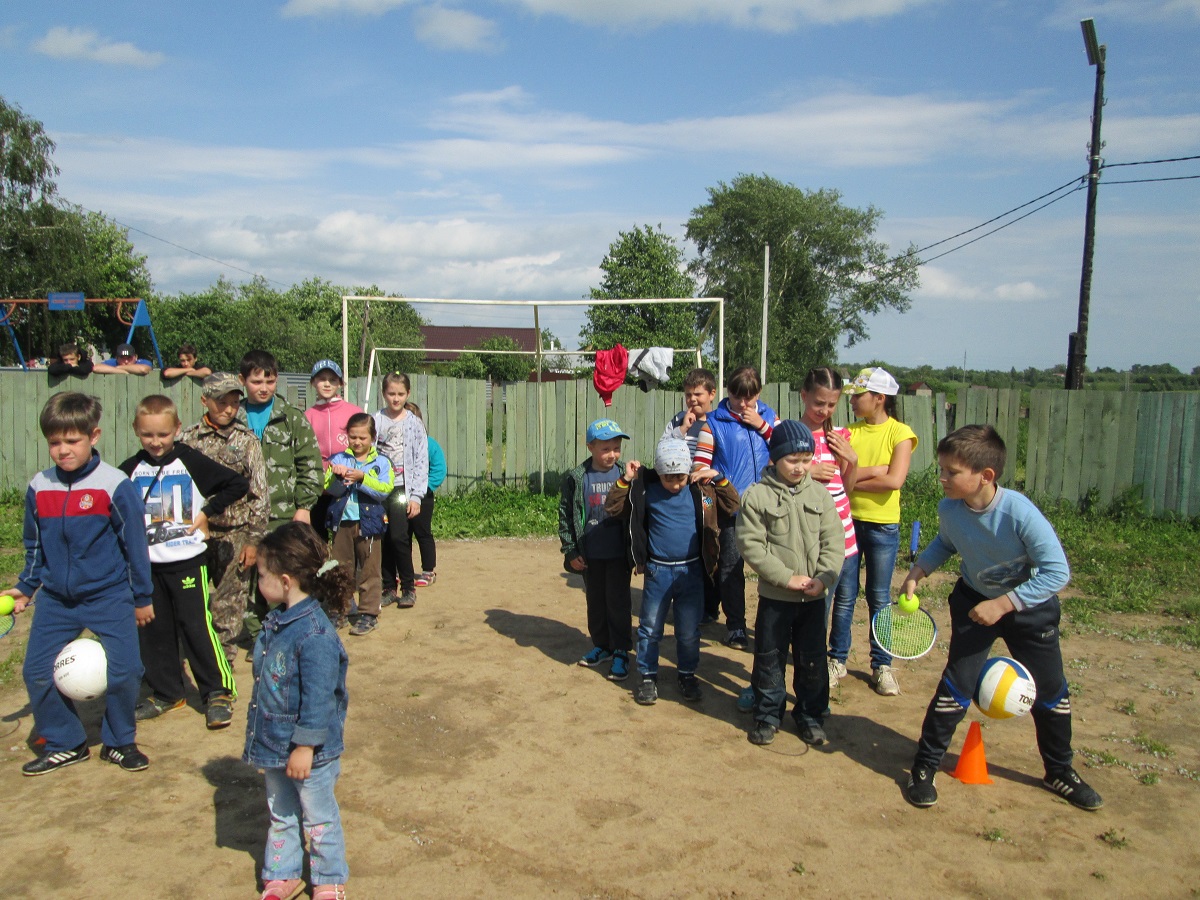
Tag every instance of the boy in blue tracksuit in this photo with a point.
(87, 560)
(733, 444)
(1013, 567)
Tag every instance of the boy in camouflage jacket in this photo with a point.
(234, 535)
(295, 470)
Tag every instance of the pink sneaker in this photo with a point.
(425, 579)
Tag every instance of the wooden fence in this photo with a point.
(1080, 444)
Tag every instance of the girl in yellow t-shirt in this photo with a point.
(884, 446)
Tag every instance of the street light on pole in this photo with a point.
(1077, 342)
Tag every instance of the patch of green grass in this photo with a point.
(995, 836)
(494, 511)
(1128, 707)
(1149, 778)
(1155, 748)
(1113, 839)
(1102, 758)
(798, 868)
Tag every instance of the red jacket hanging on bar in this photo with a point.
(611, 366)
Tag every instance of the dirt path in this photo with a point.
(483, 762)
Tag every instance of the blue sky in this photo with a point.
(494, 150)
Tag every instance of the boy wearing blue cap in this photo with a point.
(675, 541)
(596, 545)
(789, 532)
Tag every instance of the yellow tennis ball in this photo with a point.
(7, 605)
(908, 604)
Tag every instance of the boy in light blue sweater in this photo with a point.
(1012, 569)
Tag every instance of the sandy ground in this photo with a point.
(483, 762)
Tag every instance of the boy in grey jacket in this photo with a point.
(790, 534)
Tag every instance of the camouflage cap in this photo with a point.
(218, 384)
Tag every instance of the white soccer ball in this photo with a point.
(81, 670)
(1005, 689)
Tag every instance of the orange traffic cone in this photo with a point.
(972, 762)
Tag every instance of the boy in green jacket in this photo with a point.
(790, 534)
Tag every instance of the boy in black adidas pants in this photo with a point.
(1012, 568)
(180, 488)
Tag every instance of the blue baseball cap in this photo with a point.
(603, 430)
(329, 364)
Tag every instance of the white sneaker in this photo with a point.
(837, 671)
(885, 682)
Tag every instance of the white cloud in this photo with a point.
(82, 43)
(769, 15)
(296, 8)
(454, 29)
(1021, 291)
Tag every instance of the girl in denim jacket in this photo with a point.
(297, 712)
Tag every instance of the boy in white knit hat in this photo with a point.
(674, 540)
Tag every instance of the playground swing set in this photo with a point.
(130, 311)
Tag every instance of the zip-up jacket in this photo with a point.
(785, 530)
(174, 489)
(370, 492)
(328, 420)
(739, 452)
(292, 458)
(710, 499)
(84, 536)
(300, 695)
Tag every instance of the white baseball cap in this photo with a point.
(877, 380)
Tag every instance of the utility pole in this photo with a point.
(1077, 342)
(762, 364)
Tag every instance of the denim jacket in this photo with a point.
(299, 694)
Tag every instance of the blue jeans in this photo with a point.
(685, 585)
(312, 803)
(56, 623)
(878, 546)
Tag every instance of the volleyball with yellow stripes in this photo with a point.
(1005, 690)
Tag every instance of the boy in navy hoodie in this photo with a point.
(87, 562)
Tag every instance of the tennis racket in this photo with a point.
(914, 541)
(904, 635)
(6, 619)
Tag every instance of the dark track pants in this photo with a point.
(1032, 639)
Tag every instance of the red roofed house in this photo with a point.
(450, 338)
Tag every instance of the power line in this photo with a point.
(997, 218)
(1146, 180)
(220, 262)
(1005, 225)
(1148, 162)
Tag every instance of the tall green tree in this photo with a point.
(828, 272)
(47, 244)
(645, 263)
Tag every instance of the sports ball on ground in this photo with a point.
(1005, 689)
(81, 670)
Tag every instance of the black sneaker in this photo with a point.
(56, 760)
(737, 639)
(762, 733)
(689, 686)
(1068, 785)
(364, 624)
(152, 708)
(921, 791)
(813, 735)
(646, 693)
(389, 597)
(219, 713)
(129, 757)
(407, 600)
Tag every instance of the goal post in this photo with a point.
(539, 354)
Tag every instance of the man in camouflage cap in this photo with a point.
(233, 535)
